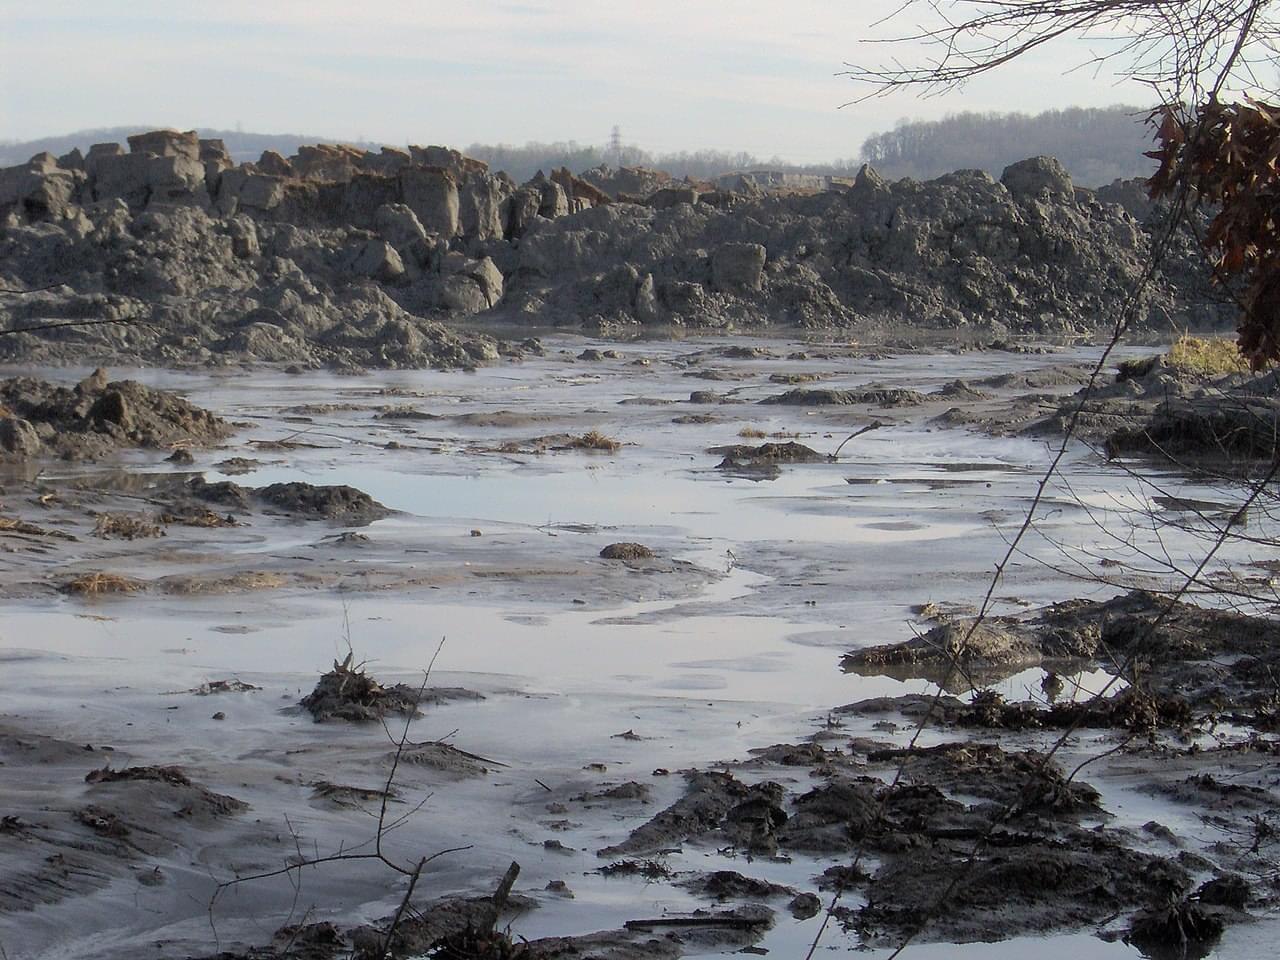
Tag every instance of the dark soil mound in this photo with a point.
(766, 455)
(1018, 886)
(626, 551)
(1211, 429)
(302, 501)
(338, 504)
(96, 418)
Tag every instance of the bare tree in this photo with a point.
(1186, 51)
(1196, 56)
(1191, 53)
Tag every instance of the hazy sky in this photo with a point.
(673, 74)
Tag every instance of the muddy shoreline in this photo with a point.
(640, 696)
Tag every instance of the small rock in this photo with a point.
(95, 382)
(111, 407)
(805, 905)
(19, 437)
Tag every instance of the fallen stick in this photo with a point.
(730, 921)
(873, 425)
(504, 889)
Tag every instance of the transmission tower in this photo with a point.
(615, 146)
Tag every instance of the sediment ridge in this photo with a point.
(342, 258)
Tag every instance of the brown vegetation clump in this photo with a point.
(125, 526)
(1227, 155)
(95, 584)
(1206, 356)
(595, 440)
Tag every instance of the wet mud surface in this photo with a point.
(702, 678)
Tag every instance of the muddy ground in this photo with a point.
(686, 652)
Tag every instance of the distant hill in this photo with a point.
(242, 146)
(1096, 145)
(519, 162)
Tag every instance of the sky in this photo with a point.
(672, 74)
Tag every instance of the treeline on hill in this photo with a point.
(1096, 145)
(523, 162)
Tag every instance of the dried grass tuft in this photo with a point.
(20, 527)
(1207, 356)
(97, 584)
(595, 440)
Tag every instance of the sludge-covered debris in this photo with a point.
(649, 869)
(811, 755)
(1001, 829)
(1192, 661)
(125, 526)
(14, 526)
(347, 692)
(1184, 929)
(1014, 885)
(343, 795)
(731, 885)
(740, 814)
(882, 397)
(1131, 709)
(623, 792)
(170, 775)
(1206, 431)
(1021, 779)
(233, 685)
(445, 758)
